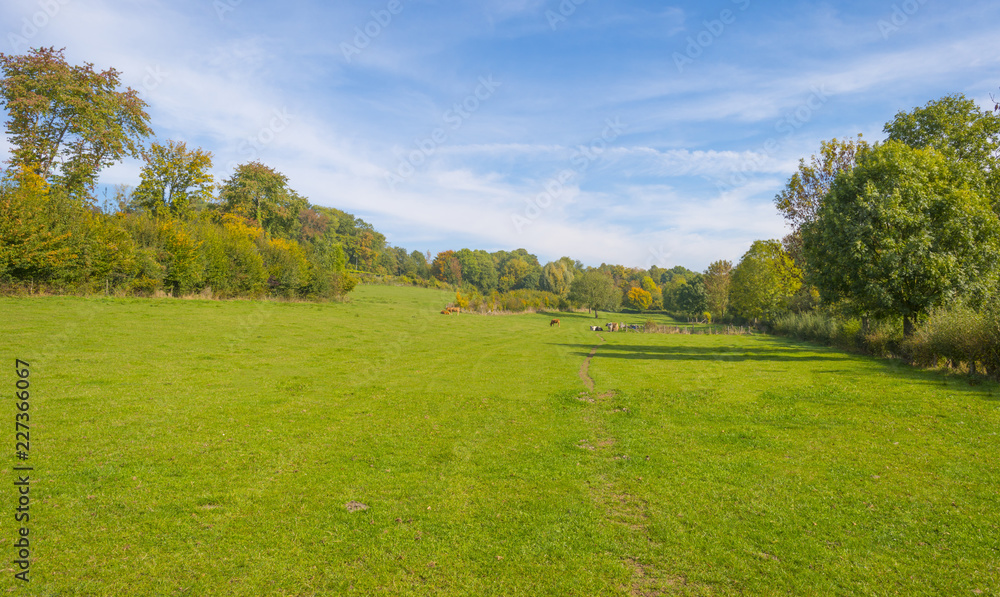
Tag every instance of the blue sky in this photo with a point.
(638, 133)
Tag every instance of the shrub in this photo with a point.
(884, 339)
(961, 336)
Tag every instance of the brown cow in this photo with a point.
(554, 322)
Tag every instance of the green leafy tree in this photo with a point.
(478, 269)
(692, 298)
(262, 194)
(800, 200)
(416, 266)
(517, 269)
(956, 127)
(67, 122)
(513, 271)
(953, 125)
(764, 281)
(595, 290)
(717, 280)
(174, 179)
(557, 276)
(903, 232)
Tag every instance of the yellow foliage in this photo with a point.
(238, 226)
(639, 299)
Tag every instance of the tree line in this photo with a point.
(177, 231)
(891, 233)
(180, 231)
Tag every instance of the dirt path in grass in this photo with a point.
(623, 509)
(585, 367)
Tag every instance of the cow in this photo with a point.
(554, 322)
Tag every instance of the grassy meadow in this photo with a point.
(187, 447)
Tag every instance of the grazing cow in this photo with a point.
(554, 322)
(446, 312)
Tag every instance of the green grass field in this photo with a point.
(211, 448)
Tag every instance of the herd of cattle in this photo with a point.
(611, 327)
(615, 327)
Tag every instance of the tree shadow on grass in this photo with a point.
(788, 351)
(698, 353)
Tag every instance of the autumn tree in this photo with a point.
(638, 299)
(174, 179)
(905, 231)
(33, 244)
(447, 268)
(68, 122)
(654, 292)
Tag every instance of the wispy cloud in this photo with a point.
(271, 82)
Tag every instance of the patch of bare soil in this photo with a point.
(585, 368)
(645, 582)
(353, 506)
